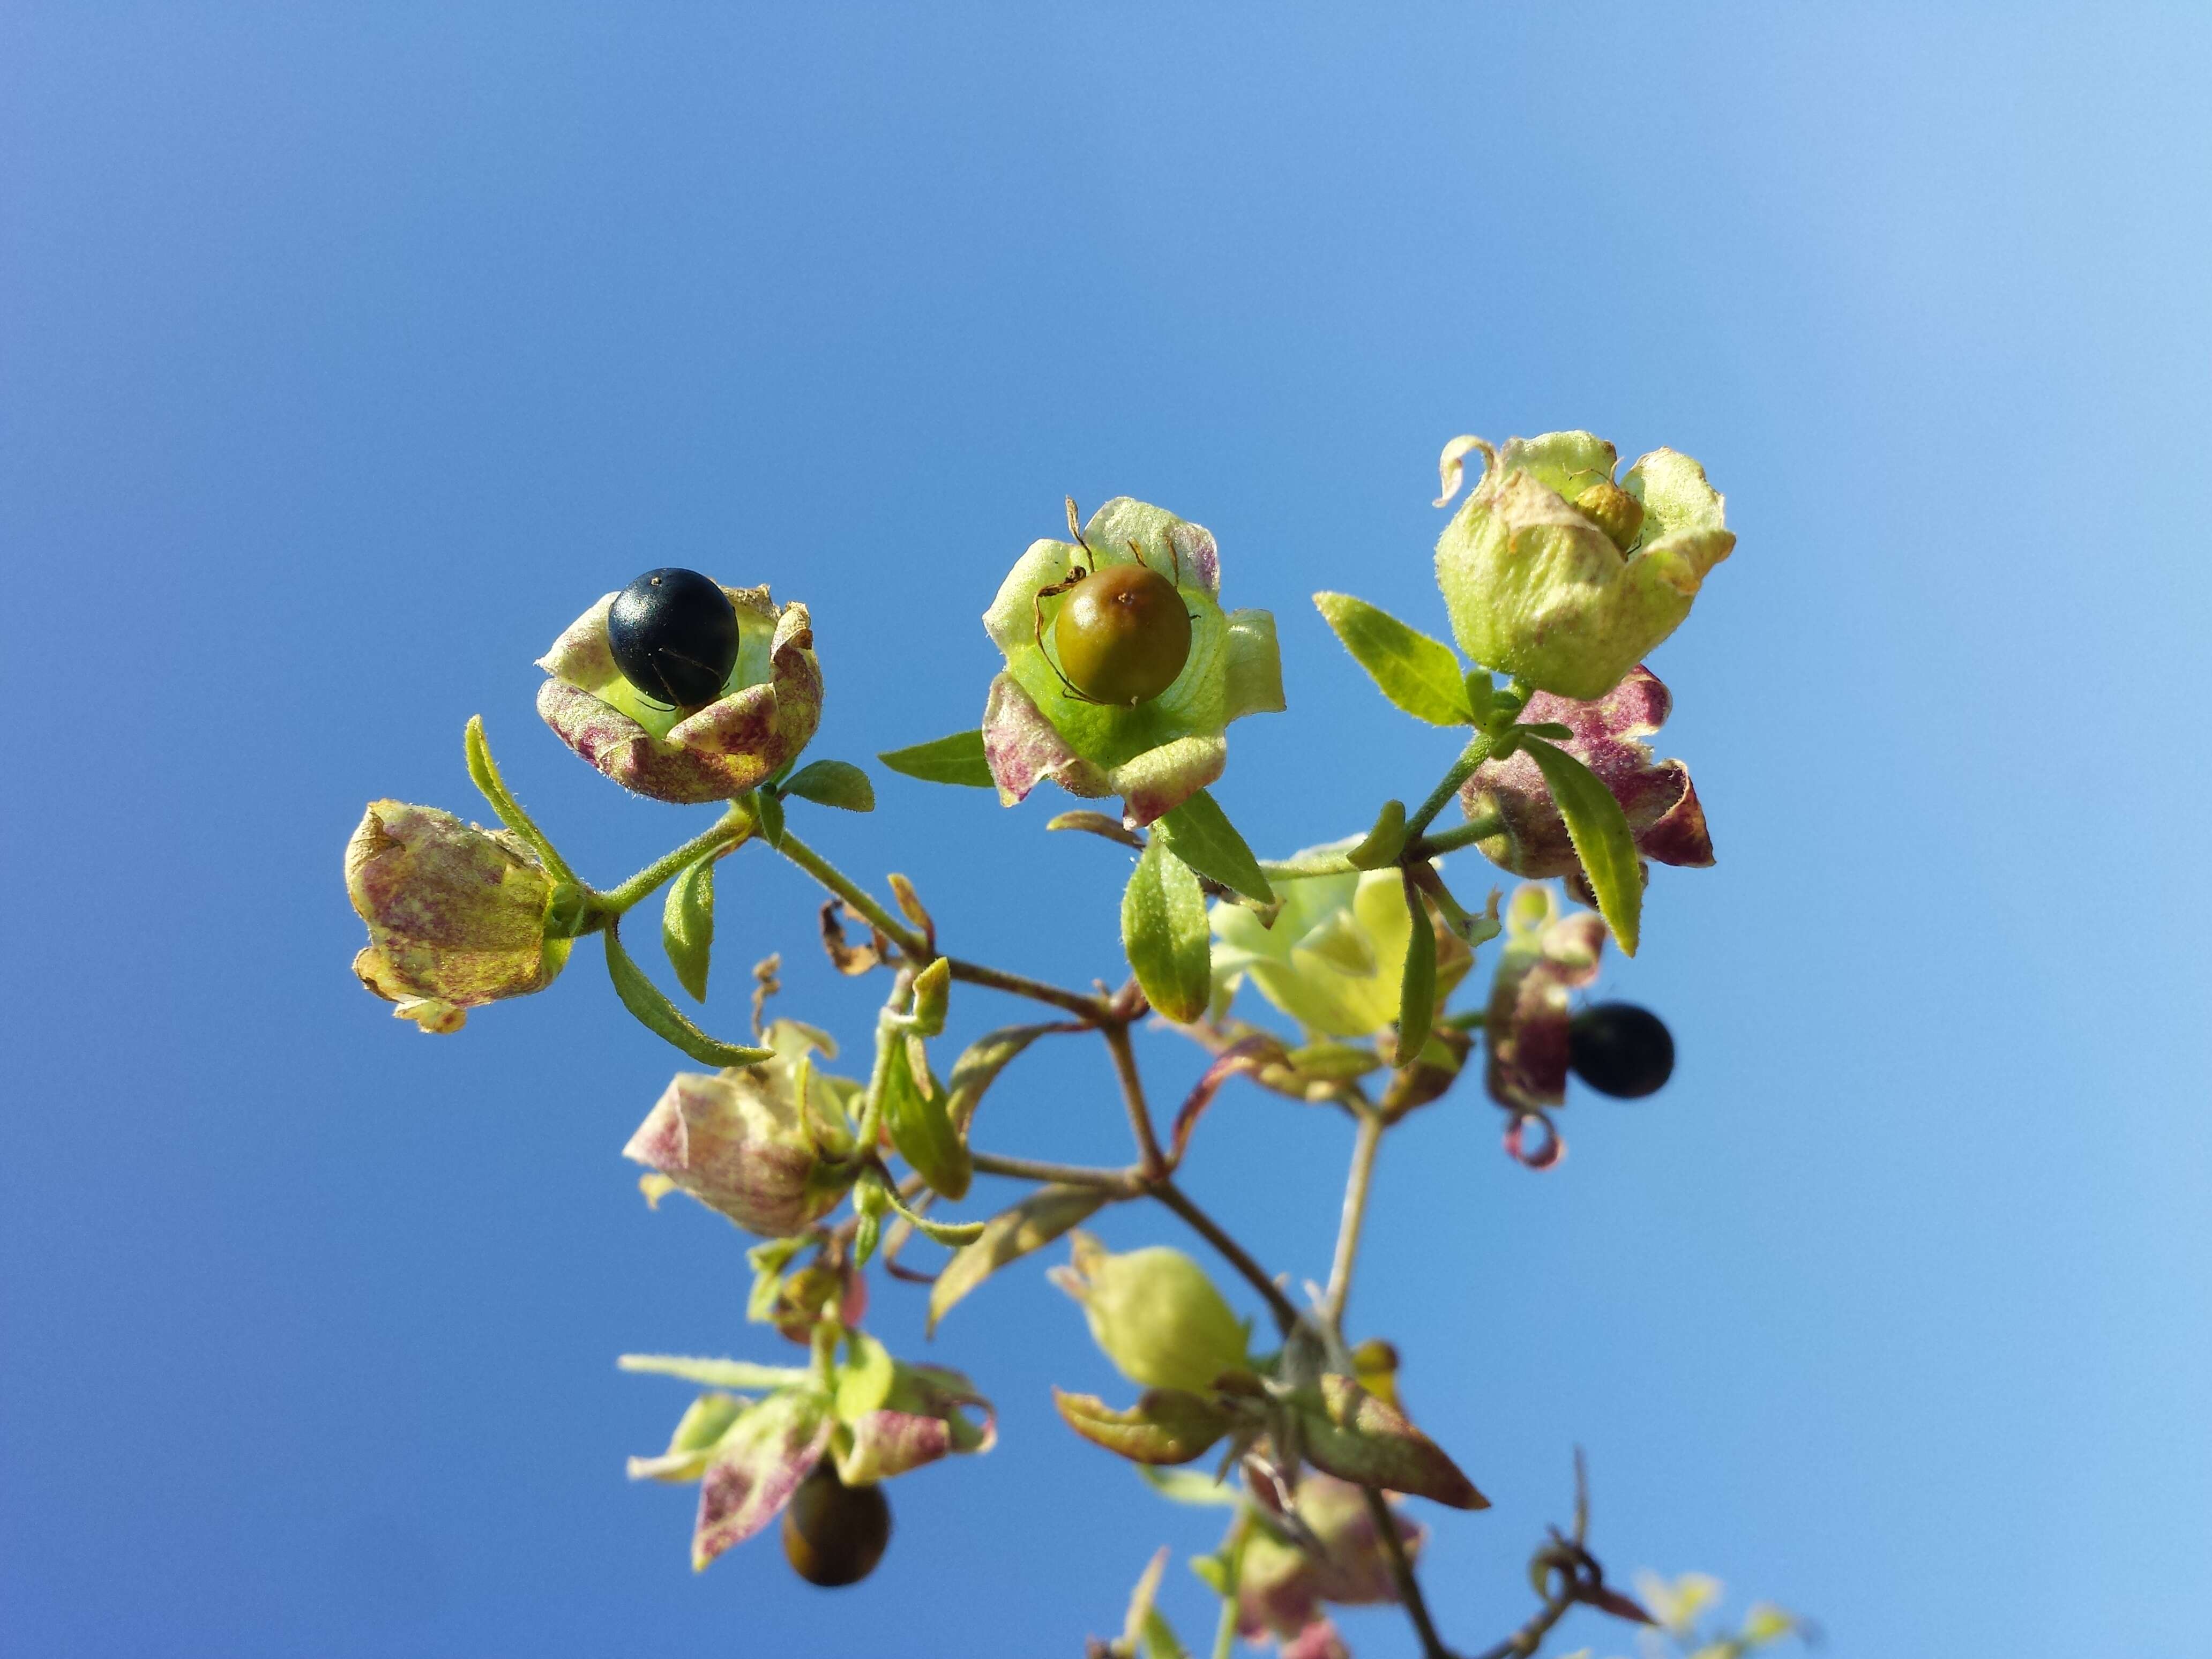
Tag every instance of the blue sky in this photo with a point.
(348, 353)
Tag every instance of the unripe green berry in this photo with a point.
(832, 1533)
(1123, 635)
(1614, 511)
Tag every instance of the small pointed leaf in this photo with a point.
(716, 1373)
(1166, 1426)
(1164, 932)
(833, 783)
(1200, 834)
(1352, 1435)
(768, 812)
(687, 926)
(1420, 674)
(1384, 841)
(920, 1126)
(1417, 992)
(1007, 1236)
(1599, 830)
(980, 1064)
(956, 759)
(653, 1010)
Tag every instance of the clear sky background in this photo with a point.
(347, 353)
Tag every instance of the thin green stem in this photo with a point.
(730, 830)
(850, 891)
(1150, 1163)
(1094, 1010)
(1326, 864)
(1287, 1316)
(1465, 835)
(1356, 1182)
(1122, 1183)
(1476, 752)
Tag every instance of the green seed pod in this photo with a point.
(832, 1533)
(1123, 635)
(1156, 1314)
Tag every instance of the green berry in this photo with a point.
(1123, 635)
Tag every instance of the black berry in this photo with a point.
(832, 1533)
(674, 635)
(1620, 1049)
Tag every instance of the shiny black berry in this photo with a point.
(1620, 1049)
(832, 1533)
(674, 635)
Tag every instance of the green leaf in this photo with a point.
(980, 1064)
(1355, 1436)
(1166, 1426)
(920, 1126)
(954, 1233)
(768, 812)
(664, 1018)
(956, 759)
(1200, 834)
(864, 1379)
(687, 926)
(1384, 842)
(932, 990)
(1599, 830)
(1335, 1062)
(1188, 1486)
(1164, 932)
(1008, 1236)
(1420, 674)
(833, 783)
(1416, 992)
(716, 1373)
(484, 772)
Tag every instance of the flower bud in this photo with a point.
(456, 913)
(755, 1142)
(1554, 572)
(767, 713)
(1156, 1314)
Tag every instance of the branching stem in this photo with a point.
(1151, 1163)
(853, 894)
(729, 830)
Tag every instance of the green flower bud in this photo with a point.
(760, 1144)
(1156, 1314)
(769, 707)
(1554, 572)
(456, 913)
